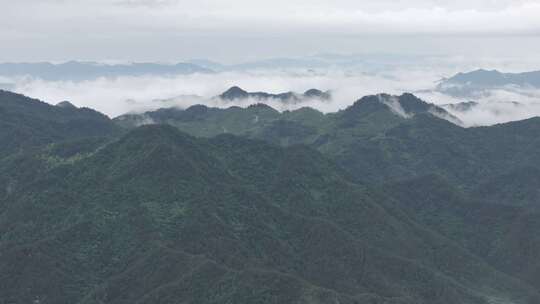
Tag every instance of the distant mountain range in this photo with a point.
(384, 202)
(76, 70)
(87, 70)
(236, 95)
(365, 62)
(393, 107)
(476, 82)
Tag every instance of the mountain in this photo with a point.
(320, 62)
(204, 121)
(426, 144)
(236, 93)
(78, 71)
(201, 120)
(468, 84)
(159, 216)
(518, 187)
(387, 202)
(66, 104)
(378, 138)
(208, 64)
(314, 93)
(503, 232)
(26, 123)
(351, 130)
(282, 63)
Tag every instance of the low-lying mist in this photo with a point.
(490, 106)
(120, 95)
(116, 96)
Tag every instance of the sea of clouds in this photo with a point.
(120, 95)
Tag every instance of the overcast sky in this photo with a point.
(243, 30)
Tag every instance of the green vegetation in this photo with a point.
(27, 123)
(367, 205)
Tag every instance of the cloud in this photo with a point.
(395, 106)
(278, 16)
(501, 106)
(115, 96)
(155, 29)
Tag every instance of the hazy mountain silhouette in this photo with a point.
(77, 70)
(473, 83)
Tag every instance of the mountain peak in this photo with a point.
(412, 104)
(66, 104)
(406, 106)
(262, 106)
(234, 92)
(477, 77)
(315, 93)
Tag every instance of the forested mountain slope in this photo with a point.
(240, 219)
(383, 202)
(27, 123)
(378, 138)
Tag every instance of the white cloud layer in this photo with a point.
(496, 106)
(136, 29)
(116, 96)
(345, 16)
(123, 94)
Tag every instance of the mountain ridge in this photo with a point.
(473, 83)
(82, 70)
(237, 93)
(26, 123)
(224, 210)
(383, 202)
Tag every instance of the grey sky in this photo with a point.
(242, 30)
